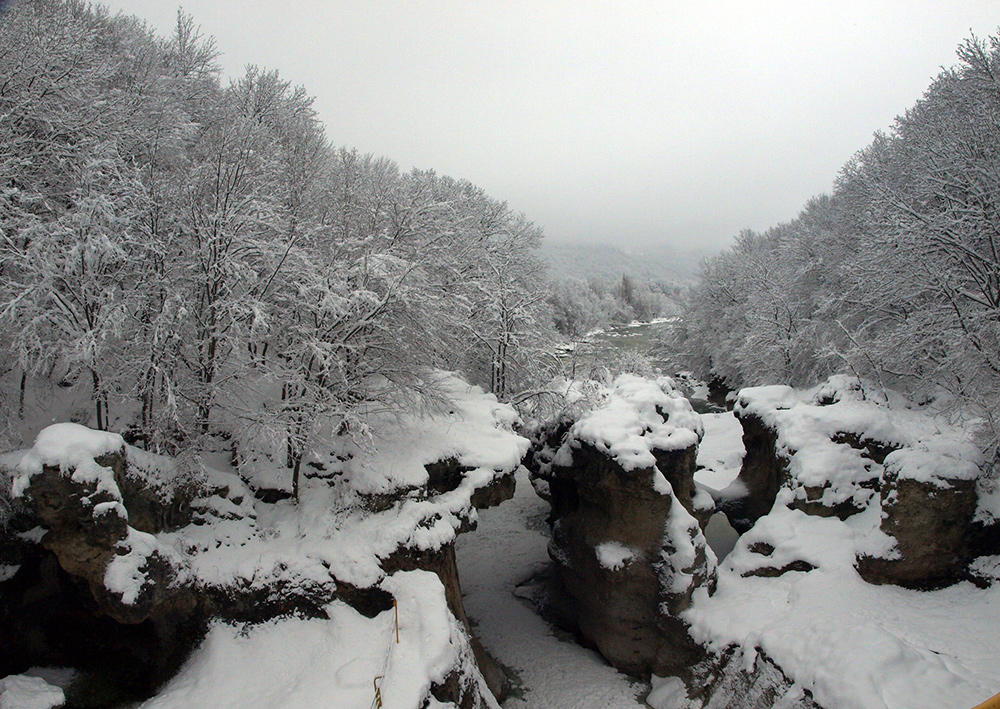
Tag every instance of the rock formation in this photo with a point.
(627, 552)
(114, 561)
(928, 512)
(832, 452)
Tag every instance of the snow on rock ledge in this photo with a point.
(203, 548)
(70, 480)
(833, 452)
(75, 449)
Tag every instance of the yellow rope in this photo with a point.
(377, 701)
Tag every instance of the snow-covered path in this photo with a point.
(507, 548)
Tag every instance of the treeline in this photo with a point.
(894, 277)
(579, 307)
(202, 260)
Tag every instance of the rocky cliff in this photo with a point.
(627, 550)
(835, 452)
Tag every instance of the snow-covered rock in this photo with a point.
(627, 551)
(207, 550)
(833, 452)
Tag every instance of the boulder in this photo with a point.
(928, 512)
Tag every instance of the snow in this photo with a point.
(296, 663)
(614, 555)
(636, 417)
(851, 644)
(27, 692)
(667, 693)
(475, 429)
(333, 533)
(70, 446)
(988, 510)
(929, 448)
(124, 574)
(682, 537)
(721, 451)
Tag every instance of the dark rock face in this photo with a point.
(931, 524)
(611, 545)
(763, 473)
(497, 492)
(58, 609)
(85, 541)
(718, 393)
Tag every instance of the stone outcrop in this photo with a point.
(930, 519)
(63, 607)
(764, 471)
(626, 551)
(831, 452)
(82, 586)
(457, 689)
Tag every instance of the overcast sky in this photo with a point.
(627, 122)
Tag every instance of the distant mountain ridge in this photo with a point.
(605, 261)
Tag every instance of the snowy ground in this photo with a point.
(555, 673)
(852, 644)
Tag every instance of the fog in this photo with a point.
(644, 123)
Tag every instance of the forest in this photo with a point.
(203, 262)
(894, 277)
(200, 259)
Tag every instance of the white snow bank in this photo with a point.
(336, 530)
(125, 573)
(475, 429)
(295, 663)
(28, 692)
(682, 538)
(850, 643)
(70, 446)
(720, 453)
(637, 416)
(668, 693)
